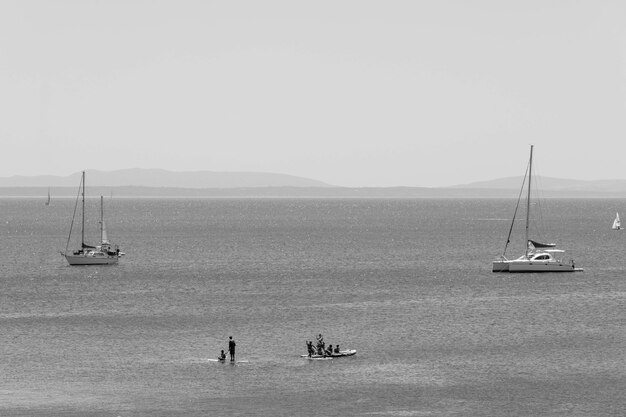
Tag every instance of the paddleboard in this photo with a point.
(341, 353)
(226, 361)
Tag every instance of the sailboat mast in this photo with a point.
(530, 176)
(101, 219)
(82, 245)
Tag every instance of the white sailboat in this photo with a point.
(617, 225)
(539, 257)
(103, 254)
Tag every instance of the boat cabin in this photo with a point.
(542, 257)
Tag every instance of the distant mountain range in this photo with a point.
(162, 178)
(162, 183)
(551, 184)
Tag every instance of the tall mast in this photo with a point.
(82, 245)
(101, 219)
(530, 176)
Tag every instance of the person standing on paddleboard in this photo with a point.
(231, 348)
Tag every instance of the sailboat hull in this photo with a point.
(501, 266)
(541, 267)
(91, 259)
(529, 266)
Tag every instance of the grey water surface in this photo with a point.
(406, 282)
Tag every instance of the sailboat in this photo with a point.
(539, 257)
(103, 254)
(617, 225)
(48, 200)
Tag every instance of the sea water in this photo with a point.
(405, 282)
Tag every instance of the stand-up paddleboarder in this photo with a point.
(231, 348)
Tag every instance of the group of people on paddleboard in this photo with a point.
(231, 350)
(320, 347)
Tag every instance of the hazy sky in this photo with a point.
(353, 93)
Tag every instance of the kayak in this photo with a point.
(341, 353)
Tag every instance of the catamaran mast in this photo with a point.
(82, 245)
(530, 176)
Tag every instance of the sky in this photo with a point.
(353, 93)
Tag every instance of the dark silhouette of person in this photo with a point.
(231, 348)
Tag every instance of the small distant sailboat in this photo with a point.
(103, 254)
(48, 200)
(617, 225)
(539, 257)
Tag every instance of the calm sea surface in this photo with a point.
(407, 283)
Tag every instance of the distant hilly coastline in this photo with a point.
(162, 183)
(294, 192)
(162, 178)
(551, 184)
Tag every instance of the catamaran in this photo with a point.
(103, 254)
(617, 225)
(539, 257)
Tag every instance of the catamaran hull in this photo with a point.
(525, 266)
(500, 266)
(91, 260)
(534, 267)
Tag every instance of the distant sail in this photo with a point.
(617, 225)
